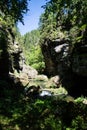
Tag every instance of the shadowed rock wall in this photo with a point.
(69, 63)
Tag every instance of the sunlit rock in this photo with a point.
(31, 72)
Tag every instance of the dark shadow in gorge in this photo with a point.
(76, 85)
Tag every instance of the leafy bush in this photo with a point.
(79, 123)
(42, 114)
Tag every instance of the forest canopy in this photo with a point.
(66, 16)
(13, 9)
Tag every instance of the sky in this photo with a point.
(31, 19)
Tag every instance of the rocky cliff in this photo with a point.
(14, 73)
(11, 56)
(68, 62)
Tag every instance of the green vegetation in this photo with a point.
(32, 50)
(61, 19)
(13, 10)
(39, 114)
(67, 18)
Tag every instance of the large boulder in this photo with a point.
(41, 78)
(56, 54)
(31, 72)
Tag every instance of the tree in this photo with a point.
(67, 16)
(13, 9)
(32, 50)
(31, 39)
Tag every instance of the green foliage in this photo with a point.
(48, 26)
(79, 99)
(18, 37)
(13, 9)
(40, 114)
(31, 39)
(32, 50)
(36, 59)
(69, 16)
(79, 123)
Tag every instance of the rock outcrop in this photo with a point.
(69, 63)
(66, 64)
(56, 54)
(31, 72)
(12, 62)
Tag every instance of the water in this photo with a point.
(45, 93)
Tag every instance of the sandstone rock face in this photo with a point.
(31, 72)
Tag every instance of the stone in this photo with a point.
(57, 56)
(56, 80)
(31, 72)
(68, 62)
(24, 79)
(41, 77)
